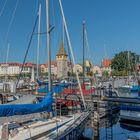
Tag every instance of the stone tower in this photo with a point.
(62, 62)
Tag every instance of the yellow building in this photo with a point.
(78, 67)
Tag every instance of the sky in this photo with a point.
(112, 26)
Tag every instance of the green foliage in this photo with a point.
(105, 74)
(27, 75)
(80, 74)
(124, 62)
(119, 73)
(90, 73)
(71, 74)
(44, 74)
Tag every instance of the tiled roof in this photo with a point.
(106, 62)
(11, 64)
(29, 64)
(62, 50)
(52, 63)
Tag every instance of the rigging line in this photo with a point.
(57, 35)
(36, 6)
(12, 18)
(2, 10)
(69, 55)
(70, 45)
(53, 22)
(10, 24)
(105, 49)
(53, 14)
(27, 50)
(86, 36)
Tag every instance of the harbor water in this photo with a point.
(112, 129)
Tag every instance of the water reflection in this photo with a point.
(112, 129)
(118, 131)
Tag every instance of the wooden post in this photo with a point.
(96, 122)
(4, 132)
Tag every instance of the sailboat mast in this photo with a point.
(83, 51)
(87, 44)
(69, 43)
(38, 45)
(48, 43)
(128, 55)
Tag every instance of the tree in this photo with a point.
(124, 63)
(105, 74)
(90, 73)
(71, 74)
(44, 74)
(80, 74)
(27, 75)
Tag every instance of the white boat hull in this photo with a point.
(56, 128)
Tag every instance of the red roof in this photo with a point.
(52, 63)
(11, 64)
(106, 62)
(29, 64)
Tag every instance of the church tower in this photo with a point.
(62, 62)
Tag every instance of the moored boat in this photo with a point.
(130, 113)
(55, 128)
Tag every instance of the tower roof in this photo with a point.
(62, 50)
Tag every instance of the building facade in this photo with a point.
(44, 68)
(97, 70)
(10, 69)
(28, 67)
(78, 67)
(13, 69)
(106, 65)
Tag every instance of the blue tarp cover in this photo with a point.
(58, 88)
(42, 83)
(134, 88)
(10, 110)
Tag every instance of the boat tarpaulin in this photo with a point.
(58, 88)
(22, 109)
(134, 88)
(42, 83)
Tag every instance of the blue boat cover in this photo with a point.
(130, 107)
(42, 83)
(58, 88)
(22, 109)
(134, 88)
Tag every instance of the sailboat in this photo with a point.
(84, 90)
(130, 116)
(127, 87)
(65, 127)
(131, 85)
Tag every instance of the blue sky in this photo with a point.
(115, 23)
